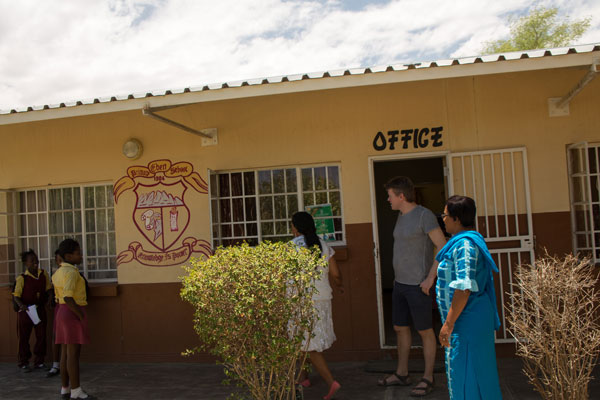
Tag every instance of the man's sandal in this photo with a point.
(399, 381)
(422, 391)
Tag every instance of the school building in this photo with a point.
(146, 181)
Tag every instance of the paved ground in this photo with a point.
(203, 381)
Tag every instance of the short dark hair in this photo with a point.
(67, 246)
(402, 184)
(27, 253)
(463, 208)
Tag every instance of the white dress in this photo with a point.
(324, 336)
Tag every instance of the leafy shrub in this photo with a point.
(554, 317)
(253, 307)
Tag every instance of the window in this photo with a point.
(8, 241)
(584, 173)
(41, 218)
(258, 205)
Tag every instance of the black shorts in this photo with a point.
(410, 304)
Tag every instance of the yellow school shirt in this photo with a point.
(20, 281)
(68, 283)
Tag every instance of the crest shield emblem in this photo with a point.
(160, 213)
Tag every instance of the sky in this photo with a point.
(55, 51)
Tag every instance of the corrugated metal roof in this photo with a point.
(494, 58)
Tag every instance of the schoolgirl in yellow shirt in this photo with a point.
(71, 319)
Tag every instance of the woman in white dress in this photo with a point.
(305, 235)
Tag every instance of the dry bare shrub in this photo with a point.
(554, 317)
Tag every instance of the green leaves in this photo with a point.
(540, 29)
(253, 308)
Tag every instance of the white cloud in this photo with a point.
(55, 51)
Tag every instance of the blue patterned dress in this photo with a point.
(466, 264)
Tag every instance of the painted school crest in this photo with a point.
(160, 213)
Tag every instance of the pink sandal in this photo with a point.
(335, 386)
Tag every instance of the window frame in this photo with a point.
(46, 262)
(215, 220)
(10, 215)
(584, 172)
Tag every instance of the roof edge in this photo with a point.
(303, 83)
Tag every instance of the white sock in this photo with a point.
(78, 393)
(65, 390)
(56, 365)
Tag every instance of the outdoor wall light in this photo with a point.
(132, 149)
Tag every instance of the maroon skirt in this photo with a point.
(69, 329)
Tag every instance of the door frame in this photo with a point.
(526, 240)
(371, 161)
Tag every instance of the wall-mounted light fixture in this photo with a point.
(132, 149)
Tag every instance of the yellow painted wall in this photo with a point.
(486, 112)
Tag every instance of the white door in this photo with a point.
(498, 181)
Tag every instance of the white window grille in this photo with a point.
(8, 237)
(256, 205)
(40, 219)
(584, 173)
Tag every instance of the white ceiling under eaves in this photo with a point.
(467, 66)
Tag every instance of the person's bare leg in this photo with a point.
(64, 372)
(318, 361)
(55, 368)
(73, 351)
(302, 376)
(404, 341)
(303, 373)
(429, 348)
(55, 352)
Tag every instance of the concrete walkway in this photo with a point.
(203, 381)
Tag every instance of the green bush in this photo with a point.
(252, 309)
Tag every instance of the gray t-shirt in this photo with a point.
(413, 249)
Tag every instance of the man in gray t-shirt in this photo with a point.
(413, 248)
(415, 235)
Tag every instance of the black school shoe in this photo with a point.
(25, 368)
(53, 372)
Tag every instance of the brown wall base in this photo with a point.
(150, 322)
(552, 233)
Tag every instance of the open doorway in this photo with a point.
(431, 192)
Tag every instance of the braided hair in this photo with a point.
(305, 224)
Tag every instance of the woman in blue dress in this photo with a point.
(467, 302)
